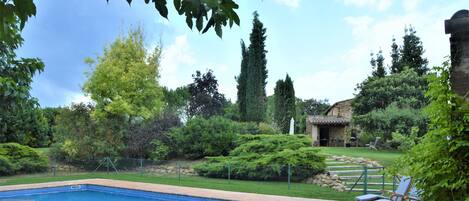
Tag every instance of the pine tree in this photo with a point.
(241, 79)
(256, 101)
(378, 65)
(412, 52)
(284, 94)
(396, 66)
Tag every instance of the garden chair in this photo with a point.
(400, 194)
(414, 194)
(372, 145)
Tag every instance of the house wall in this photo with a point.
(314, 135)
(341, 109)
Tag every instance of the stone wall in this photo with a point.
(458, 27)
(326, 180)
(357, 161)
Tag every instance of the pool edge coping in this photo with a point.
(161, 188)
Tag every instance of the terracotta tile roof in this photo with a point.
(328, 120)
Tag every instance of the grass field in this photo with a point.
(273, 188)
(384, 157)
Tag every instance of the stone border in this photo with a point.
(358, 161)
(160, 188)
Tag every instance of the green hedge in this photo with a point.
(16, 158)
(266, 157)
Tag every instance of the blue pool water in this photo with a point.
(91, 193)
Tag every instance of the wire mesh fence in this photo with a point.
(287, 174)
(184, 172)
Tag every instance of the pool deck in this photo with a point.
(188, 191)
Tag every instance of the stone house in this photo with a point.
(332, 128)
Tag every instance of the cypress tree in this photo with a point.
(241, 79)
(284, 103)
(279, 102)
(256, 101)
(290, 100)
(412, 52)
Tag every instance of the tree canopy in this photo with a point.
(391, 104)
(217, 13)
(125, 79)
(205, 100)
(410, 55)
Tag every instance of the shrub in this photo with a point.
(6, 168)
(266, 157)
(262, 144)
(81, 139)
(247, 128)
(439, 163)
(16, 158)
(265, 128)
(160, 151)
(405, 142)
(205, 137)
(142, 135)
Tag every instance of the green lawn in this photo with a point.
(385, 158)
(274, 188)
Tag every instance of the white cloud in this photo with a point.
(377, 4)
(289, 3)
(76, 97)
(359, 24)
(410, 5)
(329, 84)
(371, 34)
(174, 57)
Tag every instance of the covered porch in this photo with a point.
(328, 130)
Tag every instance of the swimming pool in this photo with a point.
(88, 192)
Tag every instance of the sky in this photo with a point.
(324, 45)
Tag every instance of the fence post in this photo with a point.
(54, 166)
(229, 173)
(393, 183)
(179, 171)
(383, 182)
(365, 181)
(289, 175)
(108, 164)
(141, 166)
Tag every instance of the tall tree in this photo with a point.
(378, 65)
(21, 120)
(256, 73)
(205, 100)
(241, 79)
(412, 52)
(396, 66)
(125, 79)
(284, 103)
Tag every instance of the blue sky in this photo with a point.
(323, 45)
